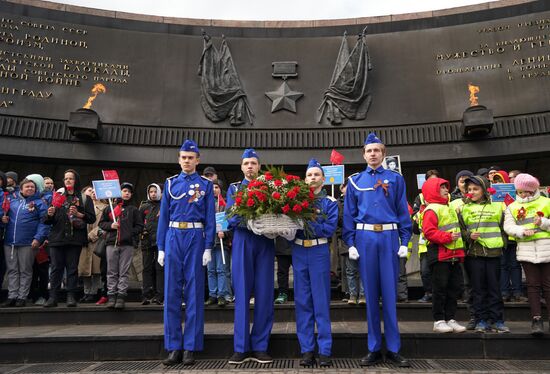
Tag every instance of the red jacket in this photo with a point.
(436, 237)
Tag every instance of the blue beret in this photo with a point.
(250, 153)
(372, 139)
(313, 163)
(190, 146)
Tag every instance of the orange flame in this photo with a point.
(97, 89)
(473, 90)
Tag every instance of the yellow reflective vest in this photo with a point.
(526, 217)
(447, 220)
(485, 219)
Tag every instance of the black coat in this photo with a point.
(130, 226)
(75, 233)
(150, 212)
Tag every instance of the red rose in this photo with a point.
(305, 204)
(290, 178)
(311, 194)
(263, 187)
(468, 195)
(250, 202)
(276, 195)
(297, 208)
(268, 176)
(286, 209)
(296, 189)
(491, 190)
(278, 183)
(238, 200)
(262, 197)
(291, 194)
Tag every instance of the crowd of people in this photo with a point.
(469, 247)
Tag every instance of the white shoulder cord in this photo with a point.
(170, 192)
(360, 189)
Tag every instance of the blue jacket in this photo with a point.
(326, 221)
(26, 221)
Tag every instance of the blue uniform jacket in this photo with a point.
(26, 221)
(376, 196)
(326, 221)
(187, 198)
(235, 220)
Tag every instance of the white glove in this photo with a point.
(160, 258)
(206, 257)
(352, 253)
(403, 251)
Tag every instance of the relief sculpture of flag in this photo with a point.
(222, 94)
(348, 95)
(336, 158)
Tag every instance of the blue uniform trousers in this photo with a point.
(312, 296)
(379, 269)
(253, 259)
(183, 265)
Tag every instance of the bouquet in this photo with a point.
(275, 204)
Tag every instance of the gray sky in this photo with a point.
(271, 10)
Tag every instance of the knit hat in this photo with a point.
(463, 173)
(481, 182)
(13, 175)
(38, 181)
(526, 182)
(503, 175)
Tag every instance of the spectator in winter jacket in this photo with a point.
(69, 216)
(89, 265)
(48, 189)
(41, 266)
(123, 229)
(153, 273)
(441, 229)
(25, 231)
(460, 189)
(12, 186)
(527, 219)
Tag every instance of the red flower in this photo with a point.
(70, 188)
(58, 200)
(286, 209)
(263, 188)
(278, 183)
(250, 202)
(297, 208)
(296, 189)
(468, 195)
(290, 178)
(311, 194)
(540, 214)
(291, 194)
(305, 204)
(238, 200)
(262, 197)
(276, 195)
(491, 190)
(268, 176)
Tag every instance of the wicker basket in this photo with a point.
(273, 225)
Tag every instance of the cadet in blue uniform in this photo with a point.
(311, 263)
(253, 258)
(377, 228)
(185, 236)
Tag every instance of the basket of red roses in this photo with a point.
(275, 204)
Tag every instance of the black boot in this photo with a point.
(174, 358)
(112, 301)
(372, 359)
(325, 361)
(308, 359)
(188, 358)
(71, 301)
(119, 304)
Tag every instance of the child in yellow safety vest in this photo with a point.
(445, 253)
(527, 219)
(481, 224)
